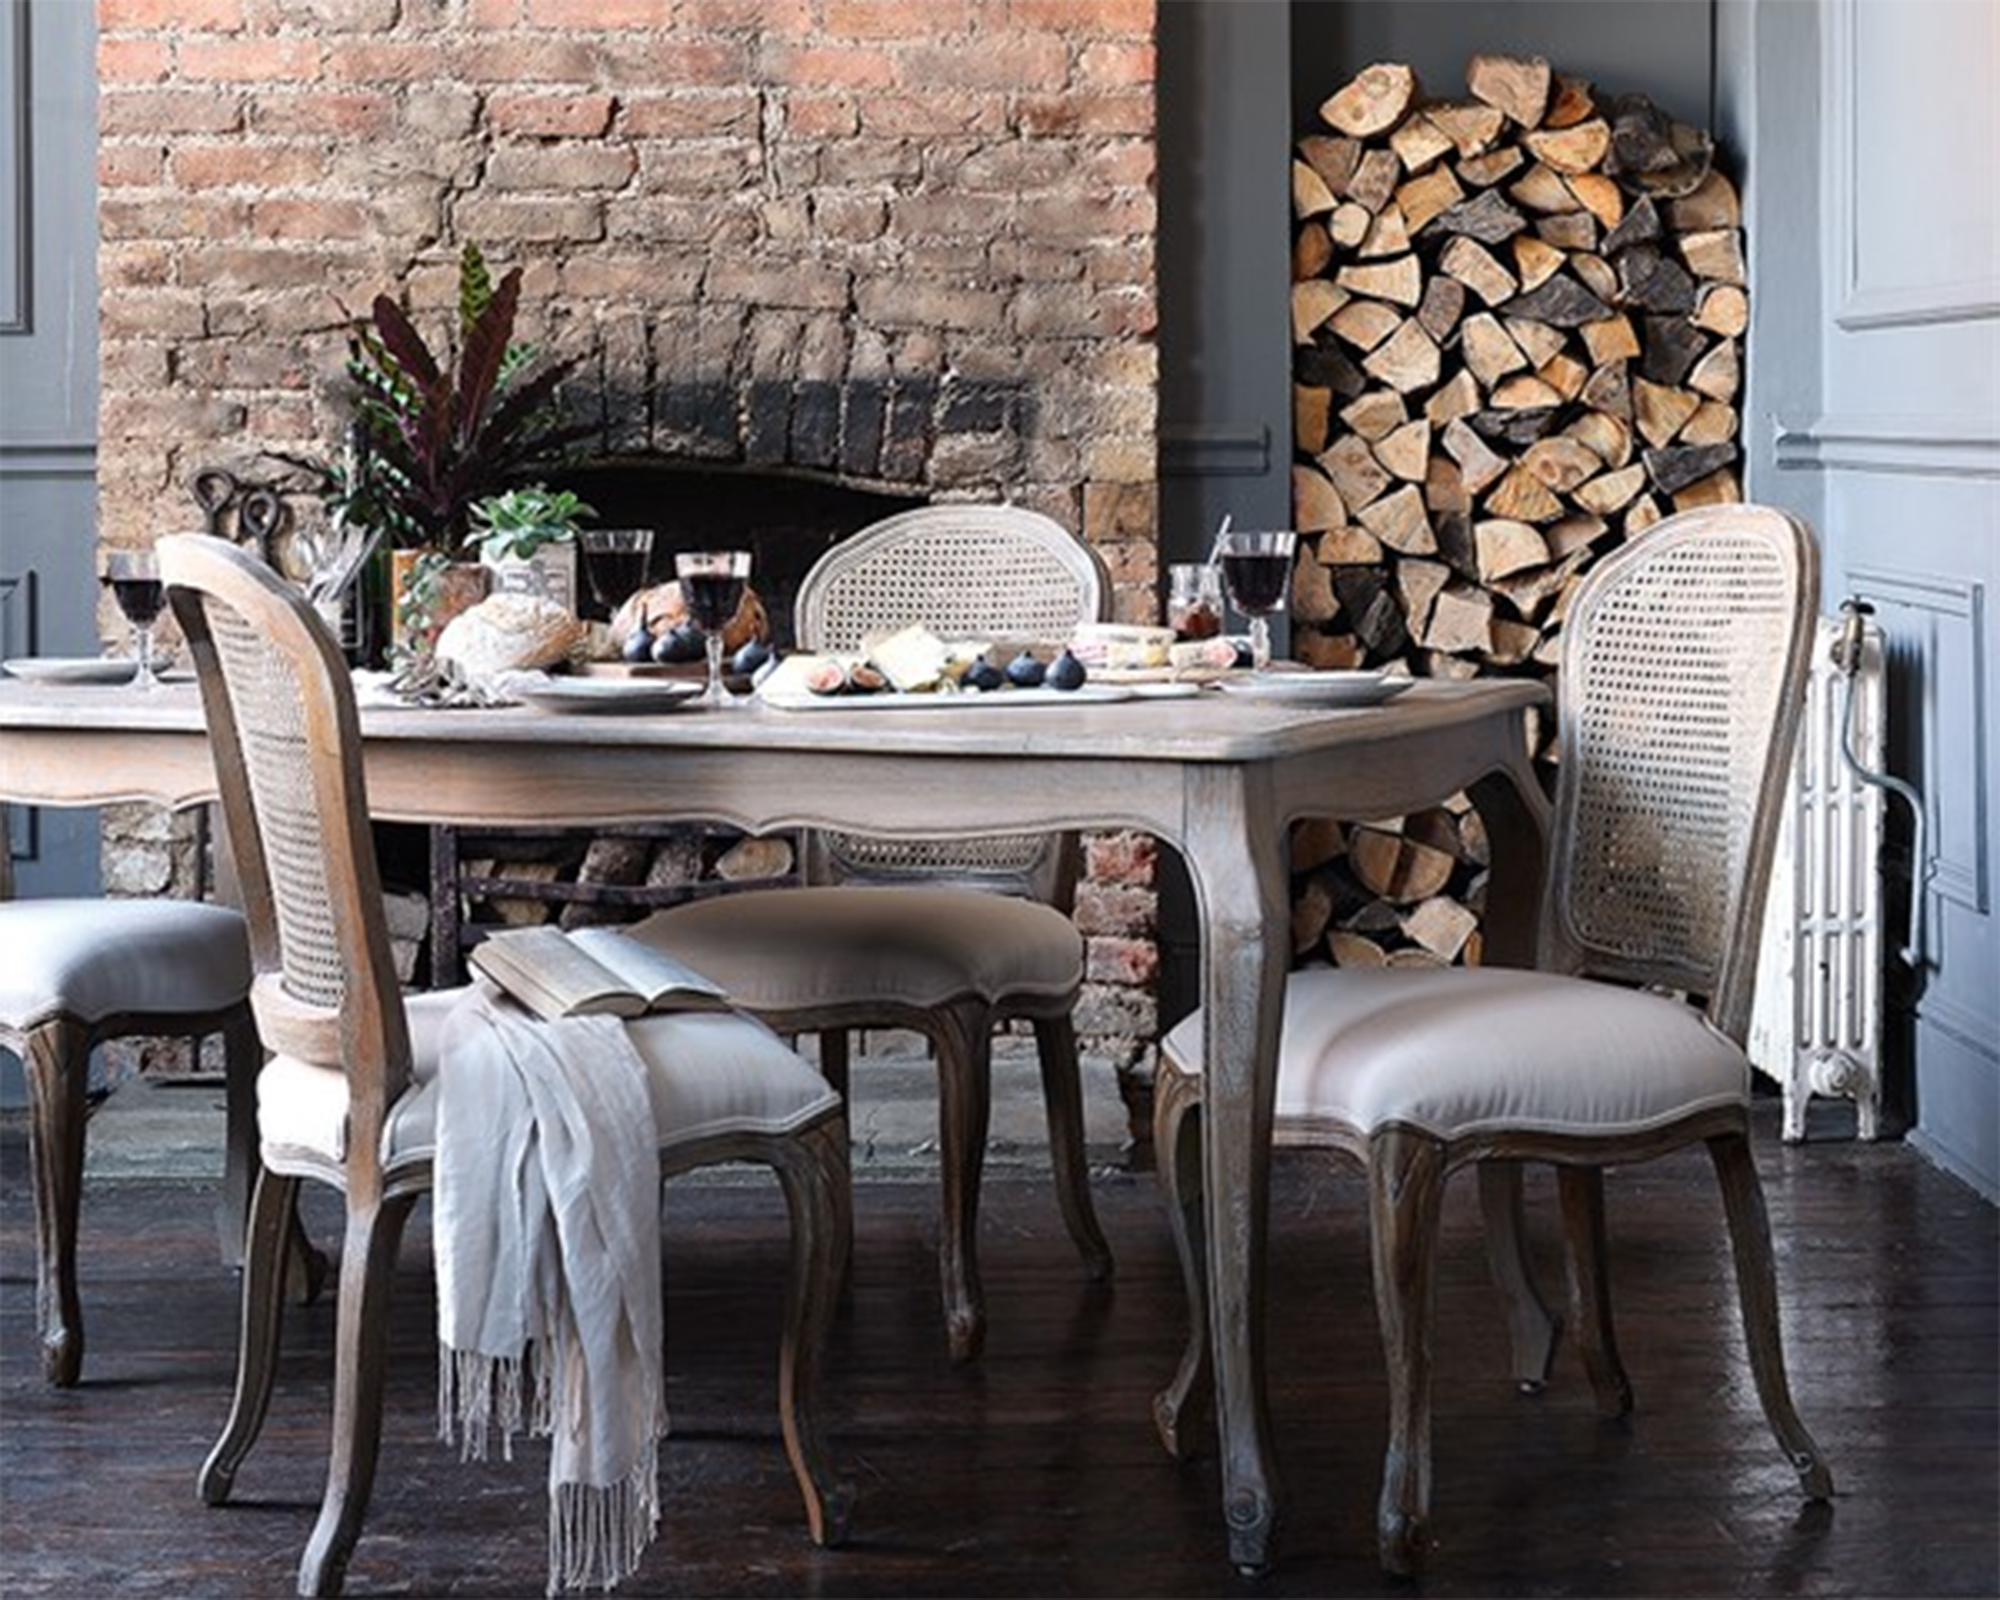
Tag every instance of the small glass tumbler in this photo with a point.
(1194, 600)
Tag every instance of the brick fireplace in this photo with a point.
(900, 250)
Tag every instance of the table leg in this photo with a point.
(1236, 859)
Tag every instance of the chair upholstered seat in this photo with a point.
(766, 1088)
(90, 959)
(1456, 1053)
(872, 946)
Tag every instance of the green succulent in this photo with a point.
(519, 522)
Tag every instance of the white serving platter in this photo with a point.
(72, 669)
(1319, 689)
(608, 696)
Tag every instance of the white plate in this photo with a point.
(71, 669)
(609, 696)
(969, 700)
(1318, 688)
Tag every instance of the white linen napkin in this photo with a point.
(547, 1240)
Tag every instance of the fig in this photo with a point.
(1065, 672)
(1025, 671)
(638, 645)
(753, 654)
(982, 675)
(864, 679)
(826, 677)
(682, 642)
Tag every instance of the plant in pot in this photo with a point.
(527, 539)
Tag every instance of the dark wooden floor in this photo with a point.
(1037, 1473)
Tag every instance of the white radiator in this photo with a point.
(1816, 1026)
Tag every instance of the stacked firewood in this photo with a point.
(1517, 324)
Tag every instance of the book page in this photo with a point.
(550, 974)
(653, 974)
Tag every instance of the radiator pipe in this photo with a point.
(1854, 614)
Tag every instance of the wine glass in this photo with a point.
(614, 560)
(712, 585)
(134, 577)
(1257, 571)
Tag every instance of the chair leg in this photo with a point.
(367, 1268)
(1177, 1152)
(1581, 1191)
(963, 1036)
(835, 1065)
(1757, 1289)
(1405, 1200)
(56, 1059)
(1062, 1096)
(242, 1057)
(813, 1171)
(1532, 1328)
(273, 1203)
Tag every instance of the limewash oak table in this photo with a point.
(1216, 777)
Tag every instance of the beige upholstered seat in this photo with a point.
(1681, 678)
(952, 939)
(77, 972)
(348, 1098)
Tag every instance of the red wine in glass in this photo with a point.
(712, 585)
(614, 562)
(134, 577)
(712, 598)
(1257, 570)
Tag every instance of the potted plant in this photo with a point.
(527, 539)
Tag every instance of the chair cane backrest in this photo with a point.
(965, 572)
(1682, 677)
(286, 740)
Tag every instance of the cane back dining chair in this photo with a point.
(1682, 672)
(74, 973)
(349, 1095)
(952, 939)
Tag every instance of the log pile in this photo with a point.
(1517, 324)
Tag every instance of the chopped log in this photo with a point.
(1449, 669)
(1562, 302)
(1652, 282)
(1538, 341)
(1461, 620)
(1561, 463)
(1458, 397)
(1486, 217)
(1349, 546)
(1717, 489)
(1529, 592)
(1312, 591)
(1395, 868)
(1484, 171)
(1355, 472)
(1355, 950)
(1513, 642)
(1312, 910)
(1334, 159)
(1474, 266)
(1712, 423)
(1535, 260)
(1611, 490)
(1409, 360)
(1311, 409)
(1653, 153)
(1373, 101)
(1661, 411)
(1375, 414)
(1722, 308)
(1568, 230)
(1418, 583)
(1441, 307)
(1366, 323)
(1641, 226)
(1472, 129)
(1479, 464)
(1313, 301)
(1444, 488)
(1387, 235)
(1418, 142)
(1595, 274)
(1612, 339)
(1676, 466)
(1572, 533)
(1400, 281)
(1526, 392)
(1375, 179)
(1312, 249)
(766, 856)
(1401, 521)
(1516, 86)
(1316, 841)
(1572, 102)
(1422, 198)
(1641, 515)
(1522, 497)
(1609, 390)
(1371, 610)
(1507, 546)
(1349, 224)
(1608, 437)
(1570, 150)
(1440, 925)
(1541, 188)
(1712, 203)
(1564, 374)
(1673, 345)
(1522, 427)
(1719, 373)
(1316, 503)
(1406, 451)
(1330, 652)
(1310, 195)
(1323, 362)
(1489, 350)
(1602, 198)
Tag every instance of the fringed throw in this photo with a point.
(547, 1217)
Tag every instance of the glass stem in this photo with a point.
(712, 645)
(1260, 644)
(143, 641)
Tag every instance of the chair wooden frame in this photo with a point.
(349, 1017)
(1407, 1165)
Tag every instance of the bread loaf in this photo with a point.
(661, 609)
(507, 631)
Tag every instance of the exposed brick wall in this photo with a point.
(908, 245)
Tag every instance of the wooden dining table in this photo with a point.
(1217, 777)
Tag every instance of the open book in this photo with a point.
(558, 974)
